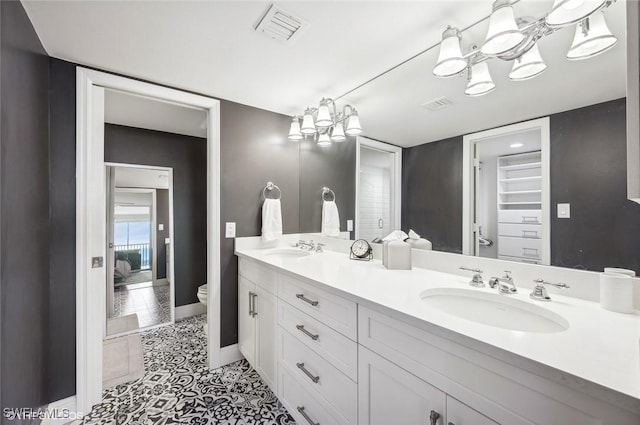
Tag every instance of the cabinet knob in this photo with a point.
(433, 417)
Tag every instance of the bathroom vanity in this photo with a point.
(349, 342)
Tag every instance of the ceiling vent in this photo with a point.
(280, 25)
(437, 104)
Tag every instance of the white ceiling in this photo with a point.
(501, 145)
(132, 177)
(137, 111)
(211, 48)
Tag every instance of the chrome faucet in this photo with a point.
(319, 247)
(306, 246)
(476, 280)
(539, 293)
(505, 283)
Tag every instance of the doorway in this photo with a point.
(506, 193)
(91, 233)
(378, 178)
(140, 286)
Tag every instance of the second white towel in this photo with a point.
(330, 219)
(271, 219)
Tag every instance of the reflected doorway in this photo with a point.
(378, 178)
(139, 244)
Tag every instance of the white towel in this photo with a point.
(271, 219)
(330, 219)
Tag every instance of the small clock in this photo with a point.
(361, 250)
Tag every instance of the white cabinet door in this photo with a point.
(461, 414)
(388, 394)
(265, 307)
(246, 321)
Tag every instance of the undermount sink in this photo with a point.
(287, 253)
(495, 310)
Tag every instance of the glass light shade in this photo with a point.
(503, 34)
(294, 130)
(592, 38)
(450, 60)
(528, 65)
(566, 12)
(337, 135)
(324, 140)
(308, 127)
(480, 81)
(353, 125)
(324, 116)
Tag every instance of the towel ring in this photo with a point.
(327, 191)
(270, 186)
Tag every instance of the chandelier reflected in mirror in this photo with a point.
(515, 39)
(325, 124)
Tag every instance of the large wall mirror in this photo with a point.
(567, 177)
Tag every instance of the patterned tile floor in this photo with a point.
(150, 303)
(178, 388)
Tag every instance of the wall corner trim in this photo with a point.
(230, 354)
(59, 411)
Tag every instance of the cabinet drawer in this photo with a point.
(520, 247)
(259, 274)
(460, 414)
(525, 231)
(332, 310)
(520, 216)
(340, 391)
(336, 348)
(305, 407)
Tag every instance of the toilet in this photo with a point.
(202, 294)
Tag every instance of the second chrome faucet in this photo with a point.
(505, 284)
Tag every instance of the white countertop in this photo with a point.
(600, 346)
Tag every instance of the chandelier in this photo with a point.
(512, 39)
(325, 124)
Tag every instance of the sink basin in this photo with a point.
(287, 253)
(495, 310)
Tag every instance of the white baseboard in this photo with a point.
(230, 354)
(189, 310)
(62, 412)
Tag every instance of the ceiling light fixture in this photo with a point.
(592, 38)
(328, 125)
(512, 39)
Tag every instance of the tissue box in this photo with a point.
(396, 255)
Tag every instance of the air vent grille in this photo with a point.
(280, 25)
(437, 104)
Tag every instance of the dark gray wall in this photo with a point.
(24, 211)
(253, 150)
(432, 192)
(162, 217)
(188, 157)
(588, 170)
(62, 243)
(332, 166)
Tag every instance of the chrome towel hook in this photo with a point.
(327, 191)
(270, 187)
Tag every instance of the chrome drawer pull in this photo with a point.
(307, 300)
(250, 303)
(307, 333)
(254, 312)
(531, 234)
(304, 415)
(529, 252)
(315, 379)
(433, 417)
(529, 219)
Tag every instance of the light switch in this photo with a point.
(564, 210)
(160, 227)
(349, 225)
(230, 230)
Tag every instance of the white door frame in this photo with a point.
(396, 184)
(91, 223)
(468, 141)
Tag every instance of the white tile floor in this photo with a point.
(150, 303)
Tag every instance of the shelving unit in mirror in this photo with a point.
(520, 207)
